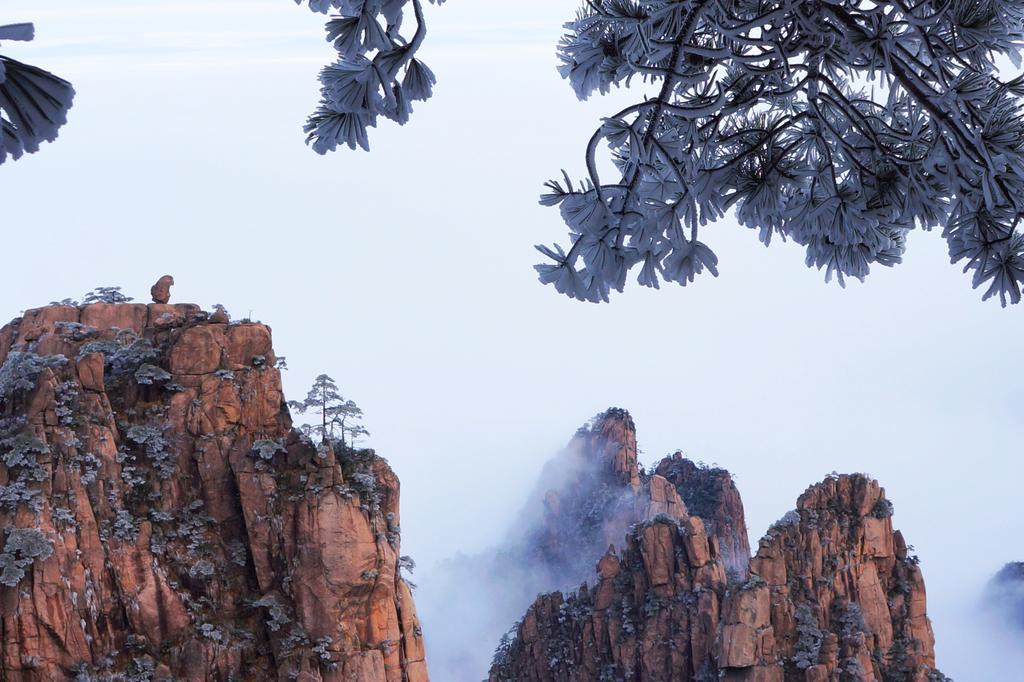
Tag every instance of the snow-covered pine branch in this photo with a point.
(33, 103)
(838, 124)
(377, 72)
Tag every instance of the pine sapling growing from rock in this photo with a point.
(340, 419)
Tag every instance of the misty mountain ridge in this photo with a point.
(163, 520)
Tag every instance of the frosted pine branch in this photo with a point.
(377, 73)
(839, 125)
(33, 103)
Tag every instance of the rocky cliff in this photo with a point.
(710, 494)
(598, 491)
(832, 595)
(1005, 593)
(162, 520)
(589, 496)
(587, 499)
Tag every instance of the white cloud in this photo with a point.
(78, 38)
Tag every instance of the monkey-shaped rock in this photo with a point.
(161, 291)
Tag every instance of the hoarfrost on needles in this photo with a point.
(33, 103)
(839, 125)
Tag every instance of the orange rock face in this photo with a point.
(711, 494)
(587, 499)
(653, 614)
(847, 602)
(605, 492)
(162, 520)
(594, 497)
(831, 596)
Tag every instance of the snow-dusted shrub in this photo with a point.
(21, 369)
(106, 295)
(266, 448)
(23, 546)
(148, 374)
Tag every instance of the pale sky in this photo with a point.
(406, 274)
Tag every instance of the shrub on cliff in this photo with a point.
(128, 356)
(21, 369)
(883, 509)
(810, 638)
(106, 295)
(20, 451)
(267, 448)
(23, 546)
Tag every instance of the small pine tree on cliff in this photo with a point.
(340, 419)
